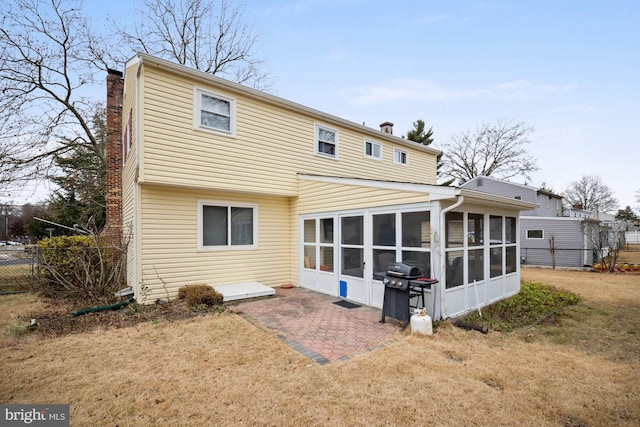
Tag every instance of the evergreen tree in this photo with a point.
(419, 135)
(626, 214)
(80, 198)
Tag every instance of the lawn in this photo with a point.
(581, 369)
(631, 255)
(15, 271)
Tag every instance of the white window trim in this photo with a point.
(228, 246)
(406, 154)
(198, 92)
(534, 238)
(373, 144)
(316, 142)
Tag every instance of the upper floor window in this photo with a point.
(215, 112)
(372, 150)
(326, 141)
(400, 157)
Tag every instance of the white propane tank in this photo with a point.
(421, 323)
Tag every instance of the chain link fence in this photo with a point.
(85, 271)
(19, 270)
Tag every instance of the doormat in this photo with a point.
(346, 304)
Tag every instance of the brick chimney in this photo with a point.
(115, 91)
(386, 127)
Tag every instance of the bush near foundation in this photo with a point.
(198, 295)
(84, 268)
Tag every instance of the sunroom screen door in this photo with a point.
(352, 282)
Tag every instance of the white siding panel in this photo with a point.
(568, 235)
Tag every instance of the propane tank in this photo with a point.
(421, 323)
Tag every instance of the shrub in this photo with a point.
(533, 303)
(81, 267)
(198, 295)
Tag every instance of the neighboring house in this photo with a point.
(570, 236)
(221, 184)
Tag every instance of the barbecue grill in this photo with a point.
(401, 283)
(399, 274)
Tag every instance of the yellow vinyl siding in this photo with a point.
(128, 215)
(169, 233)
(272, 144)
(175, 165)
(317, 197)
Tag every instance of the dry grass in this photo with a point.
(14, 277)
(15, 315)
(631, 255)
(584, 369)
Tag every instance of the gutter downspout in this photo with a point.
(443, 262)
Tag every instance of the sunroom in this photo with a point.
(465, 239)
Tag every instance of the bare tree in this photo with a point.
(608, 242)
(591, 194)
(47, 62)
(497, 151)
(52, 64)
(552, 250)
(207, 35)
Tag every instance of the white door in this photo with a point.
(318, 272)
(352, 261)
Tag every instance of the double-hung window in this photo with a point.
(214, 112)
(225, 226)
(372, 150)
(326, 141)
(400, 157)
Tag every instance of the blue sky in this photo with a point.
(570, 69)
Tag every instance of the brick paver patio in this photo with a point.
(325, 332)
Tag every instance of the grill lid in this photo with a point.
(403, 270)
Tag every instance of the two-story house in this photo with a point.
(549, 234)
(220, 184)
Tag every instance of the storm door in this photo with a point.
(352, 264)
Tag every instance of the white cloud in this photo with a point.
(523, 89)
(414, 89)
